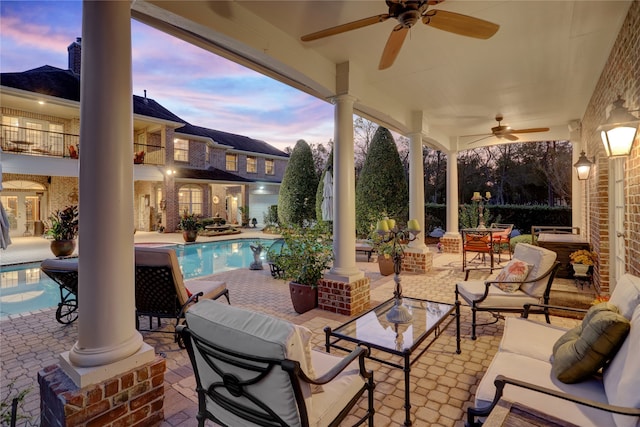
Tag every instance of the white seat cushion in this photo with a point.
(538, 372)
(210, 289)
(327, 405)
(626, 295)
(530, 338)
(474, 289)
(622, 377)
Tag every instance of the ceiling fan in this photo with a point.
(504, 131)
(407, 13)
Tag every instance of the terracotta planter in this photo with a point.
(190, 235)
(385, 265)
(303, 297)
(62, 248)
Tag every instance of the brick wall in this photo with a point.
(620, 76)
(451, 245)
(417, 262)
(344, 298)
(131, 398)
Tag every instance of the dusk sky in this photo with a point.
(198, 86)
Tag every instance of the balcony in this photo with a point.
(33, 142)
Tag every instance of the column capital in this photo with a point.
(344, 97)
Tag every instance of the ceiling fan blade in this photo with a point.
(345, 27)
(478, 140)
(532, 130)
(393, 46)
(509, 136)
(460, 24)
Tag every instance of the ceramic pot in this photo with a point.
(580, 269)
(190, 235)
(62, 248)
(303, 297)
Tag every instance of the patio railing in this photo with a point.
(34, 142)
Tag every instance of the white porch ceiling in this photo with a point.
(538, 70)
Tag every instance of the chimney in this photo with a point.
(75, 50)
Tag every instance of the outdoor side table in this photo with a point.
(405, 340)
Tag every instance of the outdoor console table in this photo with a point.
(373, 331)
(563, 245)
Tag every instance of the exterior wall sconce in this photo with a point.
(620, 130)
(583, 166)
(170, 172)
(163, 205)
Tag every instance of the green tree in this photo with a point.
(296, 203)
(382, 186)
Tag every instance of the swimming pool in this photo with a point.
(24, 288)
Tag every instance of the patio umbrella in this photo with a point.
(327, 197)
(5, 240)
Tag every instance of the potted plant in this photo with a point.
(62, 227)
(190, 225)
(304, 257)
(582, 260)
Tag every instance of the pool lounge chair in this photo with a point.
(65, 273)
(161, 291)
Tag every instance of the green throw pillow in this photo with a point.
(583, 350)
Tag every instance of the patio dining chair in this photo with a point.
(161, 292)
(479, 242)
(252, 369)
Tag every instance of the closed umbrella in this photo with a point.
(5, 240)
(327, 197)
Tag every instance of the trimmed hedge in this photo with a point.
(522, 216)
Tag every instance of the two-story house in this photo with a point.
(177, 166)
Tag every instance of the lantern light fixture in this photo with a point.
(620, 130)
(583, 166)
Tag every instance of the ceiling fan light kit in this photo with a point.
(408, 13)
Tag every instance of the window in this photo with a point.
(180, 150)
(252, 164)
(232, 162)
(190, 199)
(269, 167)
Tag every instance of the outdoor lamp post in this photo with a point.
(478, 198)
(390, 232)
(620, 130)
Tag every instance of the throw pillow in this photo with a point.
(583, 350)
(512, 275)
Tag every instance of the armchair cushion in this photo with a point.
(626, 294)
(621, 376)
(542, 260)
(515, 271)
(583, 350)
(473, 290)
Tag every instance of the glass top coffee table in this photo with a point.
(373, 331)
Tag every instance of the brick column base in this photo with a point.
(132, 398)
(344, 298)
(451, 245)
(417, 262)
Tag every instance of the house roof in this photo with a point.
(238, 142)
(65, 84)
(211, 173)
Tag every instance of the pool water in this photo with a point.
(24, 288)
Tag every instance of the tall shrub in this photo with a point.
(382, 186)
(296, 202)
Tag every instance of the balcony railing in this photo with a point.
(33, 142)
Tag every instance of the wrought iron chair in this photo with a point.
(256, 370)
(501, 235)
(65, 273)
(161, 292)
(477, 241)
(483, 295)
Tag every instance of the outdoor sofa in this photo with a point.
(533, 356)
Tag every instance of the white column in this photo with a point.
(106, 299)
(416, 188)
(344, 195)
(452, 194)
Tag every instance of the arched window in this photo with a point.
(190, 199)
